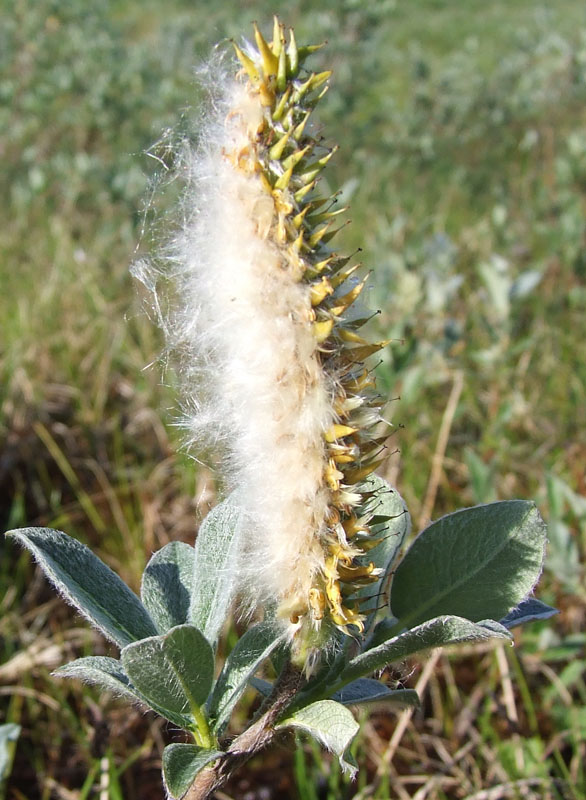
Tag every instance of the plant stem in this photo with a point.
(202, 726)
(252, 740)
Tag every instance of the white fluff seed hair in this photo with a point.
(270, 355)
(249, 355)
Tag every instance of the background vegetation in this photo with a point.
(463, 154)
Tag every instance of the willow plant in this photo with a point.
(267, 319)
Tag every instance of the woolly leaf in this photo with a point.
(331, 724)
(181, 764)
(88, 584)
(174, 672)
(529, 610)
(107, 673)
(477, 563)
(216, 554)
(388, 506)
(167, 585)
(250, 651)
(367, 690)
(433, 633)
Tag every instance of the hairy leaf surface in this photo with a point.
(88, 584)
(167, 585)
(107, 673)
(181, 764)
(367, 690)
(529, 610)
(433, 633)
(331, 724)
(250, 651)
(217, 548)
(477, 563)
(174, 672)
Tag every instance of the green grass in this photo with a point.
(463, 155)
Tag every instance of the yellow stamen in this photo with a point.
(333, 476)
(319, 291)
(321, 330)
(318, 603)
(338, 432)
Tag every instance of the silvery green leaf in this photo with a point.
(331, 724)
(181, 764)
(107, 673)
(217, 549)
(433, 633)
(367, 690)
(529, 610)
(174, 672)
(248, 654)
(192, 659)
(394, 525)
(477, 563)
(88, 584)
(9, 734)
(167, 585)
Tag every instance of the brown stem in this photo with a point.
(251, 741)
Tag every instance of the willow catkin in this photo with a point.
(268, 324)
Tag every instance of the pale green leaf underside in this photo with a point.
(88, 584)
(477, 563)
(217, 551)
(248, 654)
(107, 673)
(367, 690)
(174, 672)
(330, 723)
(167, 585)
(181, 764)
(530, 610)
(438, 632)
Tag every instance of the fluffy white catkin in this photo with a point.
(247, 310)
(272, 361)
